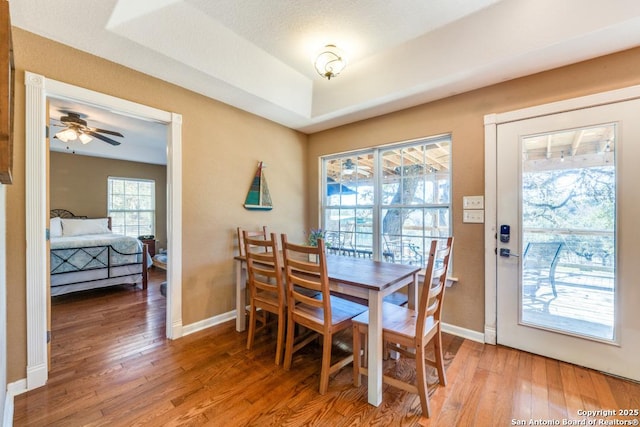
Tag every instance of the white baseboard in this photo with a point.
(230, 315)
(207, 323)
(490, 335)
(17, 387)
(463, 332)
(13, 389)
(7, 417)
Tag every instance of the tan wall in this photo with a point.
(221, 147)
(462, 116)
(79, 184)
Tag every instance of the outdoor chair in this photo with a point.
(539, 263)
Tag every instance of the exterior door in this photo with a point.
(568, 241)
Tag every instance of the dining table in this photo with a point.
(359, 277)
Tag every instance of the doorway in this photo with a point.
(38, 88)
(565, 235)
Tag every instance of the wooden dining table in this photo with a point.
(358, 277)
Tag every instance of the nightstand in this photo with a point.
(151, 245)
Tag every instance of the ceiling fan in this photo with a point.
(76, 128)
(349, 167)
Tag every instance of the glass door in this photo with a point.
(568, 241)
(568, 217)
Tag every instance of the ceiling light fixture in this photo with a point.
(71, 135)
(84, 138)
(67, 135)
(330, 62)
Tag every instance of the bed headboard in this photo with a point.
(63, 213)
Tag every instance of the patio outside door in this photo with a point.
(568, 269)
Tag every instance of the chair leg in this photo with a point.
(280, 341)
(326, 363)
(553, 286)
(421, 381)
(288, 353)
(356, 355)
(365, 347)
(437, 347)
(252, 327)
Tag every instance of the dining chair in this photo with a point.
(266, 287)
(408, 332)
(323, 314)
(262, 234)
(257, 234)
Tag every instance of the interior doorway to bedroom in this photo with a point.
(38, 90)
(104, 164)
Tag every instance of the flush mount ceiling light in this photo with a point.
(330, 61)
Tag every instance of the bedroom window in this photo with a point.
(132, 206)
(389, 202)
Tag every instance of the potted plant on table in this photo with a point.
(312, 240)
(314, 235)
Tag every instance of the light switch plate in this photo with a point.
(473, 202)
(473, 216)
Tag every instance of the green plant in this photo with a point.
(314, 235)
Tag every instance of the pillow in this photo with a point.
(55, 227)
(78, 227)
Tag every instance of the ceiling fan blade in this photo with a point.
(108, 132)
(102, 137)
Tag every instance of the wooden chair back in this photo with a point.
(310, 304)
(305, 278)
(266, 286)
(264, 271)
(262, 234)
(435, 280)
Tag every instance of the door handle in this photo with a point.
(504, 252)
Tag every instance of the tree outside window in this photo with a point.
(388, 203)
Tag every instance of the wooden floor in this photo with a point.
(111, 365)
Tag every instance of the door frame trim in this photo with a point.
(38, 88)
(491, 123)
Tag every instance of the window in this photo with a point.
(389, 202)
(132, 206)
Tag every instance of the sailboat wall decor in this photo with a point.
(258, 197)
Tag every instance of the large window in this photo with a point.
(132, 206)
(388, 203)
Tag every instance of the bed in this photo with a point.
(85, 254)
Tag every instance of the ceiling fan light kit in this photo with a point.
(330, 62)
(71, 135)
(66, 135)
(84, 138)
(77, 129)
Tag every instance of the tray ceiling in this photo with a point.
(257, 55)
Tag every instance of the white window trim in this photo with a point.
(377, 178)
(153, 211)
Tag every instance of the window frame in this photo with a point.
(378, 251)
(110, 211)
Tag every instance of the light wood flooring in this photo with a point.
(111, 365)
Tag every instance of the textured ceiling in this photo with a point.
(257, 54)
